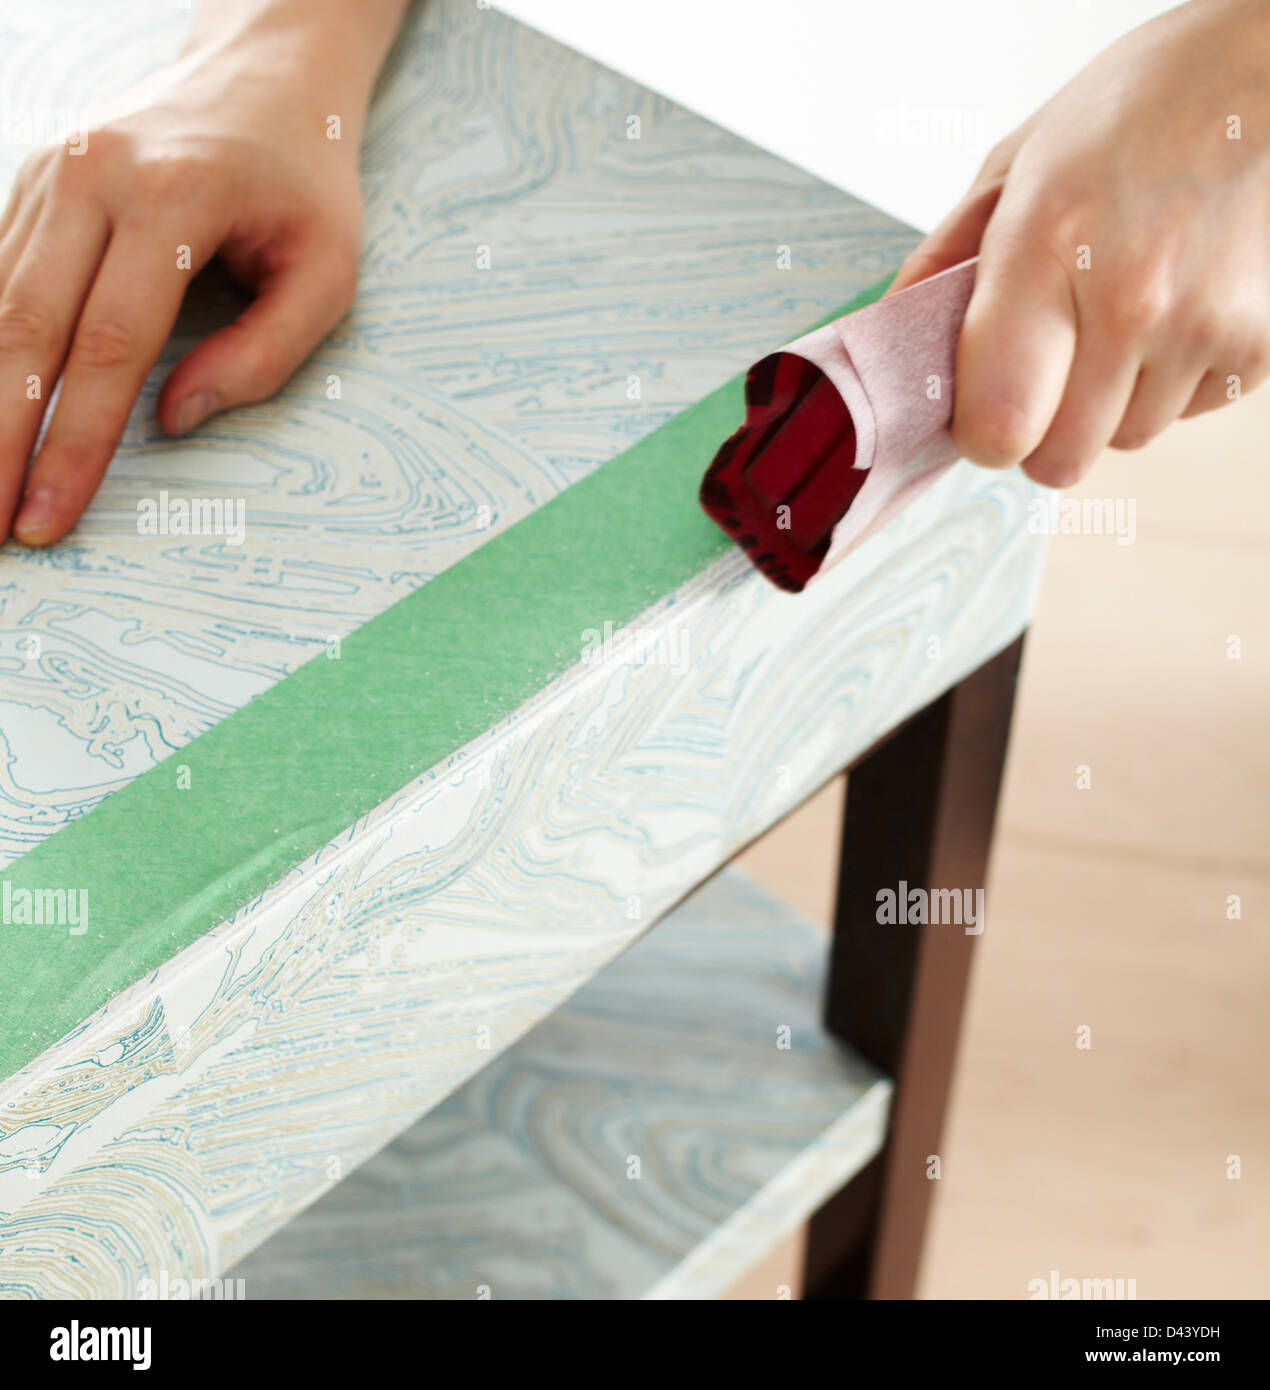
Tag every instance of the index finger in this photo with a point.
(125, 322)
(1016, 347)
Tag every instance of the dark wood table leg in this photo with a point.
(920, 810)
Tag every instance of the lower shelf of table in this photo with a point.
(653, 1138)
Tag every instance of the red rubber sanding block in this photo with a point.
(843, 428)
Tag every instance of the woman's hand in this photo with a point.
(229, 152)
(1124, 242)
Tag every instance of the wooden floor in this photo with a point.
(1107, 908)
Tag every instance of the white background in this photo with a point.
(897, 101)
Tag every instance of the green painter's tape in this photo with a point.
(277, 779)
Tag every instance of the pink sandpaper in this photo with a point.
(800, 495)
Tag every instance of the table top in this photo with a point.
(358, 797)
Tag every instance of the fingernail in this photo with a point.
(194, 410)
(34, 517)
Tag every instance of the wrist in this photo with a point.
(317, 58)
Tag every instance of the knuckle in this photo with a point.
(104, 344)
(1254, 359)
(158, 184)
(993, 433)
(164, 180)
(1005, 151)
(1205, 335)
(71, 174)
(345, 268)
(103, 142)
(1141, 300)
(267, 365)
(78, 454)
(32, 169)
(1051, 471)
(337, 250)
(997, 160)
(999, 154)
(27, 324)
(1134, 436)
(1058, 219)
(1210, 394)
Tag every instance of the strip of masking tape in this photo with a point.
(276, 780)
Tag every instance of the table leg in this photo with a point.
(920, 810)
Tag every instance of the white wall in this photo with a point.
(896, 101)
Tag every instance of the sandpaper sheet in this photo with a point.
(843, 427)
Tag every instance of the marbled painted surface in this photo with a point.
(698, 1056)
(467, 396)
(203, 1107)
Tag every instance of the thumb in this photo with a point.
(956, 238)
(248, 360)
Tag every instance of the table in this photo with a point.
(479, 698)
